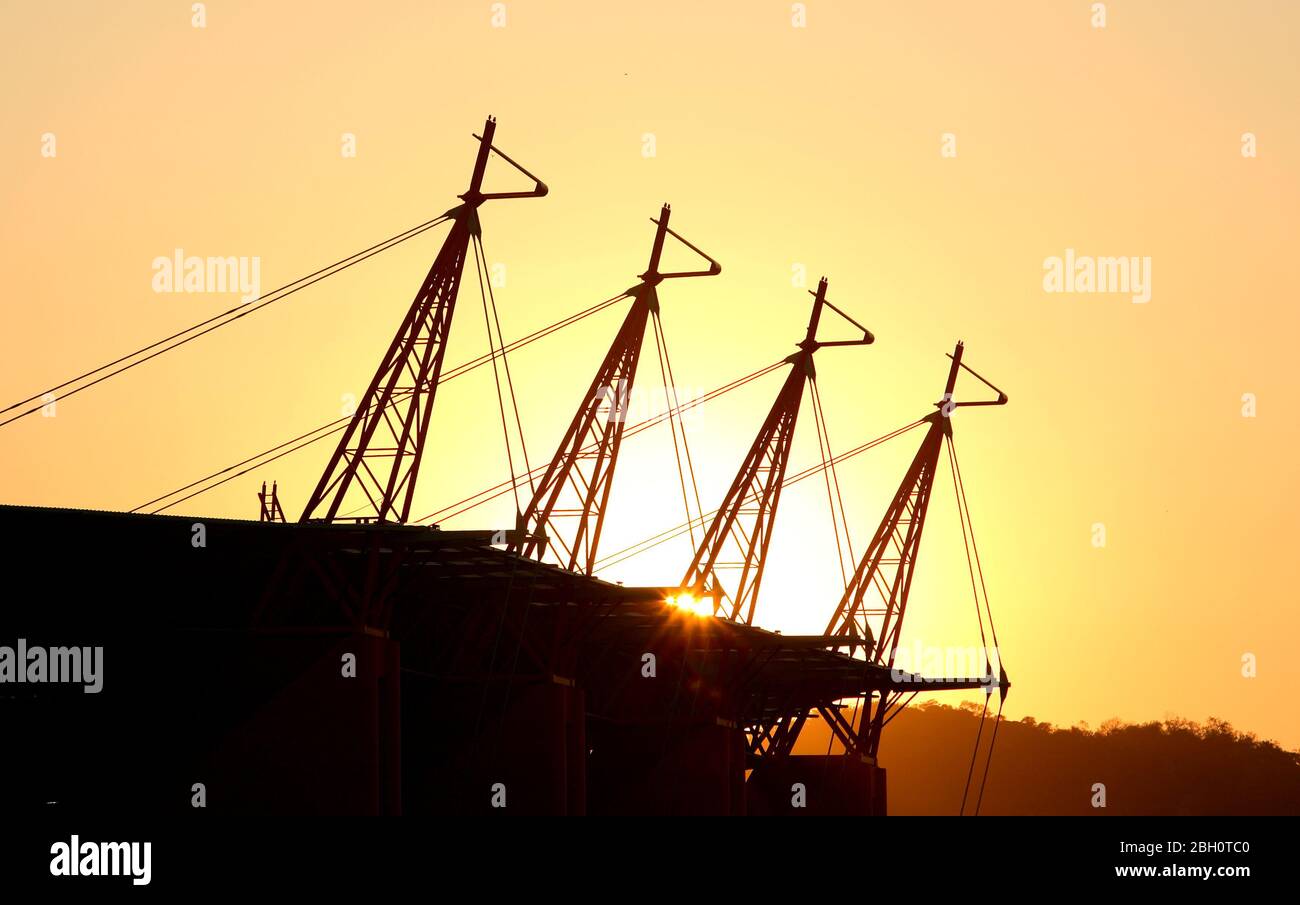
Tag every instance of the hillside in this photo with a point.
(1174, 767)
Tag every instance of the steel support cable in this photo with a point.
(215, 322)
(496, 377)
(979, 734)
(824, 451)
(971, 772)
(835, 477)
(676, 407)
(339, 424)
(484, 496)
(668, 403)
(515, 479)
(830, 497)
(997, 720)
(664, 536)
(970, 563)
(673, 406)
(505, 364)
(973, 565)
(699, 507)
(975, 549)
(259, 463)
(984, 781)
(649, 543)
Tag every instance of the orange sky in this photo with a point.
(777, 146)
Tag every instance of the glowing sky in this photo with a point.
(778, 146)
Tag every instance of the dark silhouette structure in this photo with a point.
(381, 473)
(583, 466)
(355, 662)
(748, 511)
(1174, 767)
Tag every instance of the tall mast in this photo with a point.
(874, 605)
(582, 469)
(374, 467)
(748, 511)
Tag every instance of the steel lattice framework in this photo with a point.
(748, 510)
(871, 612)
(375, 465)
(582, 468)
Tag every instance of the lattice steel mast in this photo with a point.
(596, 431)
(874, 605)
(378, 457)
(748, 511)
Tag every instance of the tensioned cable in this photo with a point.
(484, 496)
(997, 723)
(686, 447)
(970, 567)
(216, 322)
(338, 424)
(230, 477)
(835, 476)
(970, 564)
(660, 342)
(496, 377)
(649, 543)
(671, 533)
(978, 564)
(960, 486)
(969, 773)
(826, 469)
(973, 566)
(505, 364)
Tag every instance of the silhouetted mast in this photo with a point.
(748, 511)
(596, 431)
(375, 464)
(874, 605)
